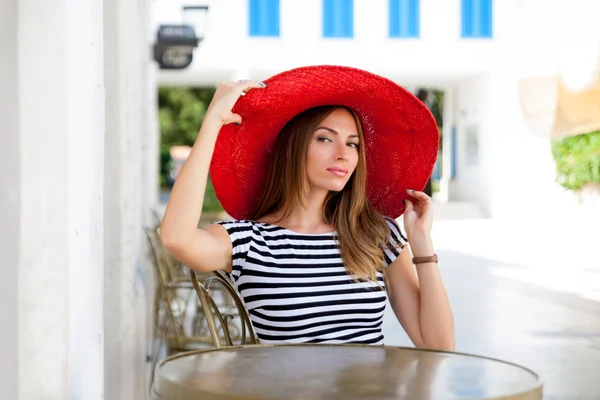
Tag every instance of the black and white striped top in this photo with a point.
(296, 288)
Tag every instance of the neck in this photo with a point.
(311, 218)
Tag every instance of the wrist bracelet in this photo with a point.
(423, 260)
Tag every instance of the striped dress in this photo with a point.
(296, 288)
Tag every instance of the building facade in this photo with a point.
(477, 51)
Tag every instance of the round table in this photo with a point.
(303, 372)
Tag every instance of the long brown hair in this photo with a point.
(362, 232)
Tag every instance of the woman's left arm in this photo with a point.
(419, 300)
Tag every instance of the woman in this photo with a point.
(315, 165)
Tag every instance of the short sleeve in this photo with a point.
(240, 233)
(395, 242)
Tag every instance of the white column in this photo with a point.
(119, 268)
(60, 230)
(10, 193)
(447, 151)
(150, 126)
(126, 297)
(150, 168)
(85, 177)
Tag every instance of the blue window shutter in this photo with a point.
(404, 18)
(338, 18)
(476, 18)
(264, 17)
(415, 16)
(485, 10)
(466, 18)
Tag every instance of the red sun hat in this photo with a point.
(400, 134)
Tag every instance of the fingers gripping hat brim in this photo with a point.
(401, 135)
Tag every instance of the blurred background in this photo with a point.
(100, 101)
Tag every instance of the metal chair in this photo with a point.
(213, 321)
(224, 331)
(173, 298)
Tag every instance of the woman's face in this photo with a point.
(333, 152)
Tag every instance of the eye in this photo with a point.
(354, 145)
(324, 139)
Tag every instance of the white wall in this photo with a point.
(60, 301)
(52, 109)
(437, 56)
(131, 191)
(469, 184)
(506, 161)
(84, 70)
(124, 333)
(10, 196)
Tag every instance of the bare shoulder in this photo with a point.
(217, 231)
(207, 249)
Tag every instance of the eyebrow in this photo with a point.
(335, 132)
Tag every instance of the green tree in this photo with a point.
(181, 111)
(434, 100)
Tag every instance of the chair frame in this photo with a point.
(168, 290)
(170, 281)
(214, 315)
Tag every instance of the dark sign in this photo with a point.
(174, 47)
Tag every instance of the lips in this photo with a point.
(338, 171)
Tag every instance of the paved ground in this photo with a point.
(521, 297)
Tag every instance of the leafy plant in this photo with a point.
(181, 111)
(577, 160)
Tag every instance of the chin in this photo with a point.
(334, 186)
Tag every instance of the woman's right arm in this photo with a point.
(206, 249)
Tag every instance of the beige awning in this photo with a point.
(555, 110)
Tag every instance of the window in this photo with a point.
(338, 18)
(404, 18)
(264, 18)
(476, 18)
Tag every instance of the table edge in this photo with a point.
(538, 383)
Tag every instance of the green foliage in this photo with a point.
(211, 203)
(164, 162)
(181, 111)
(577, 160)
(437, 108)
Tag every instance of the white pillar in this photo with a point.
(447, 151)
(127, 197)
(151, 129)
(119, 272)
(85, 178)
(150, 168)
(52, 108)
(125, 336)
(10, 194)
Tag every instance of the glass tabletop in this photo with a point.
(340, 372)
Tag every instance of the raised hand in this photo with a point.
(226, 95)
(418, 221)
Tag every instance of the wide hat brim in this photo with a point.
(401, 135)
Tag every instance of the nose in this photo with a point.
(342, 153)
